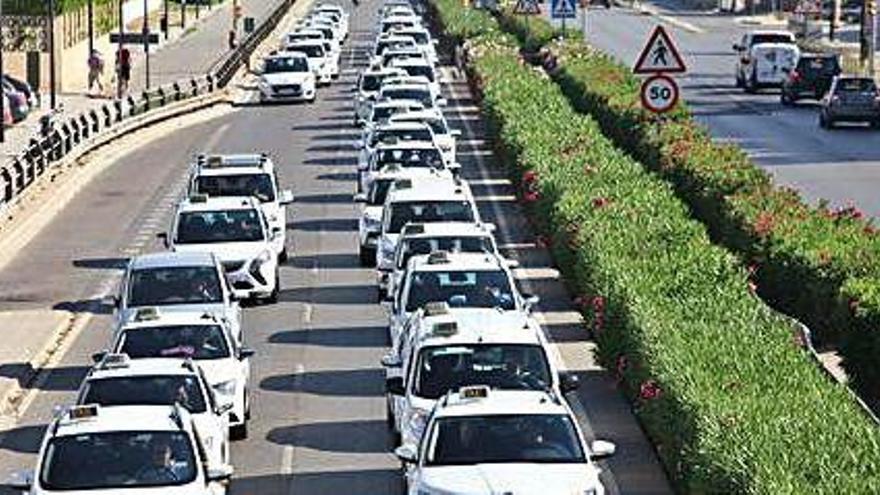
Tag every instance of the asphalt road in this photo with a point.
(317, 391)
(841, 165)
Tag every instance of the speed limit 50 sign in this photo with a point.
(659, 93)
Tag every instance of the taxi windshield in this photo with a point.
(184, 341)
(427, 245)
(461, 289)
(397, 135)
(403, 213)
(146, 391)
(257, 185)
(201, 227)
(177, 285)
(421, 158)
(499, 366)
(123, 459)
(420, 70)
(532, 438)
(285, 64)
(420, 95)
(382, 113)
(311, 51)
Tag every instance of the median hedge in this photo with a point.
(731, 401)
(818, 265)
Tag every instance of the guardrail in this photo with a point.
(46, 150)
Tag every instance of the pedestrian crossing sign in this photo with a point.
(659, 55)
(563, 9)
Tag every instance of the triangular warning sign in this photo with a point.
(659, 55)
(527, 7)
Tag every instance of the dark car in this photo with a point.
(17, 102)
(22, 87)
(811, 77)
(851, 99)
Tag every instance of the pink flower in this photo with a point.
(531, 196)
(600, 202)
(650, 390)
(753, 287)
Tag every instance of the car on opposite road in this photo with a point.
(246, 175)
(764, 59)
(482, 442)
(206, 339)
(181, 282)
(118, 381)
(811, 77)
(441, 350)
(235, 229)
(286, 76)
(851, 99)
(124, 450)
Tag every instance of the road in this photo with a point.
(317, 391)
(841, 165)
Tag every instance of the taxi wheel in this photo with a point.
(273, 297)
(239, 432)
(283, 256)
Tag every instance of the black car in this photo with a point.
(851, 99)
(811, 77)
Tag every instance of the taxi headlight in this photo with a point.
(225, 388)
(264, 257)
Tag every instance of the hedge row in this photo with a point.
(731, 402)
(40, 7)
(818, 265)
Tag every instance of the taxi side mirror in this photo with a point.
(737, 47)
(111, 301)
(601, 449)
(360, 198)
(530, 301)
(98, 356)
(455, 132)
(407, 454)
(391, 360)
(163, 236)
(245, 353)
(286, 197)
(568, 382)
(220, 473)
(394, 386)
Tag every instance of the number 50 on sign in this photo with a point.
(659, 93)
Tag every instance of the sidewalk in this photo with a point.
(188, 52)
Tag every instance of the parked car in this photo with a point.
(851, 99)
(811, 77)
(25, 88)
(16, 102)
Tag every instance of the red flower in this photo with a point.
(868, 230)
(753, 287)
(589, 169)
(764, 224)
(600, 202)
(531, 196)
(650, 390)
(529, 176)
(752, 269)
(853, 305)
(581, 301)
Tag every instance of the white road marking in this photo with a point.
(287, 460)
(307, 313)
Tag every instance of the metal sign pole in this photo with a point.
(146, 34)
(52, 88)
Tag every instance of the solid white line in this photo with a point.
(287, 460)
(307, 313)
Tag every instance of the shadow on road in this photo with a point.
(342, 383)
(93, 306)
(339, 176)
(64, 378)
(325, 225)
(24, 439)
(367, 337)
(359, 437)
(101, 263)
(365, 482)
(330, 260)
(334, 294)
(335, 198)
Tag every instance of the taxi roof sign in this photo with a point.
(659, 55)
(114, 360)
(146, 314)
(474, 392)
(436, 308)
(445, 329)
(86, 411)
(198, 198)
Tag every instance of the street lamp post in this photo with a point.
(91, 21)
(51, 54)
(146, 35)
(2, 93)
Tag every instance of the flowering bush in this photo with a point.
(731, 404)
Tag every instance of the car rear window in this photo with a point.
(772, 38)
(856, 85)
(823, 65)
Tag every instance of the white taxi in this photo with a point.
(286, 76)
(321, 62)
(441, 349)
(119, 381)
(204, 338)
(390, 133)
(236, 231)
(368, 84)
(124, 450)
(246, 175)
(484, 442)
(443, 135)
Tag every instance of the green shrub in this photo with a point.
(731, 402)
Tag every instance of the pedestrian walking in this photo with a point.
(231, 39)
(96, 70)
(123, 71)
(458, 57)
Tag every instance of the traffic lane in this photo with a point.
(602, 411)
(840, 165)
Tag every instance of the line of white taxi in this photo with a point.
(157, 411)
(475, 398)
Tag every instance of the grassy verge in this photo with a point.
(730, 400)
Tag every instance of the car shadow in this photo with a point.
(337, 383)
(346, 337)
(355, 437)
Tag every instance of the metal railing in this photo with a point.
(64, 137)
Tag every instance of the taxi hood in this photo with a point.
(227, 251)
(519, 478)
(287, 77)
